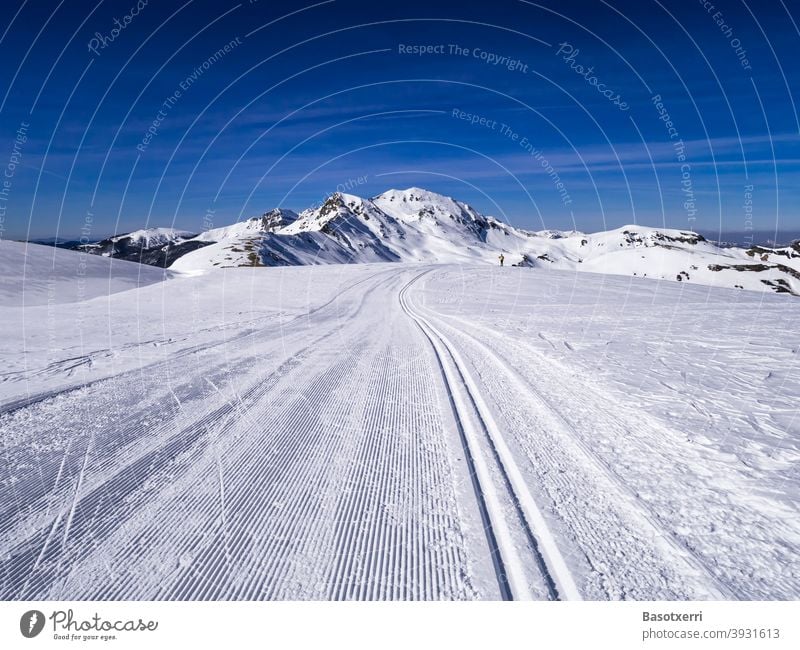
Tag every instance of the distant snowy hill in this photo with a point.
(416, 225)
(153, 246)
(671, 255)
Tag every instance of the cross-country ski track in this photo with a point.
(371, 439)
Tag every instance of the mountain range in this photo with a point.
(416, 225)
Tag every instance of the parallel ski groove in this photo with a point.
(461, 387)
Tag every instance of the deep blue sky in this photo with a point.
(314, 99)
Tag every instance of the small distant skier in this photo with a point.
(502, 259)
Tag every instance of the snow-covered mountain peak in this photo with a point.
(414, 203)
(391, 210)
(339, 210)
(413, 195)
(269, 222)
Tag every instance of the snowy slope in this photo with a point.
(32, 274)
(401, 431)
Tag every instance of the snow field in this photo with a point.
(401, 431)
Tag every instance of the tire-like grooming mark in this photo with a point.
(257, 480)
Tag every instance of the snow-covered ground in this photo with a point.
(400, 431)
